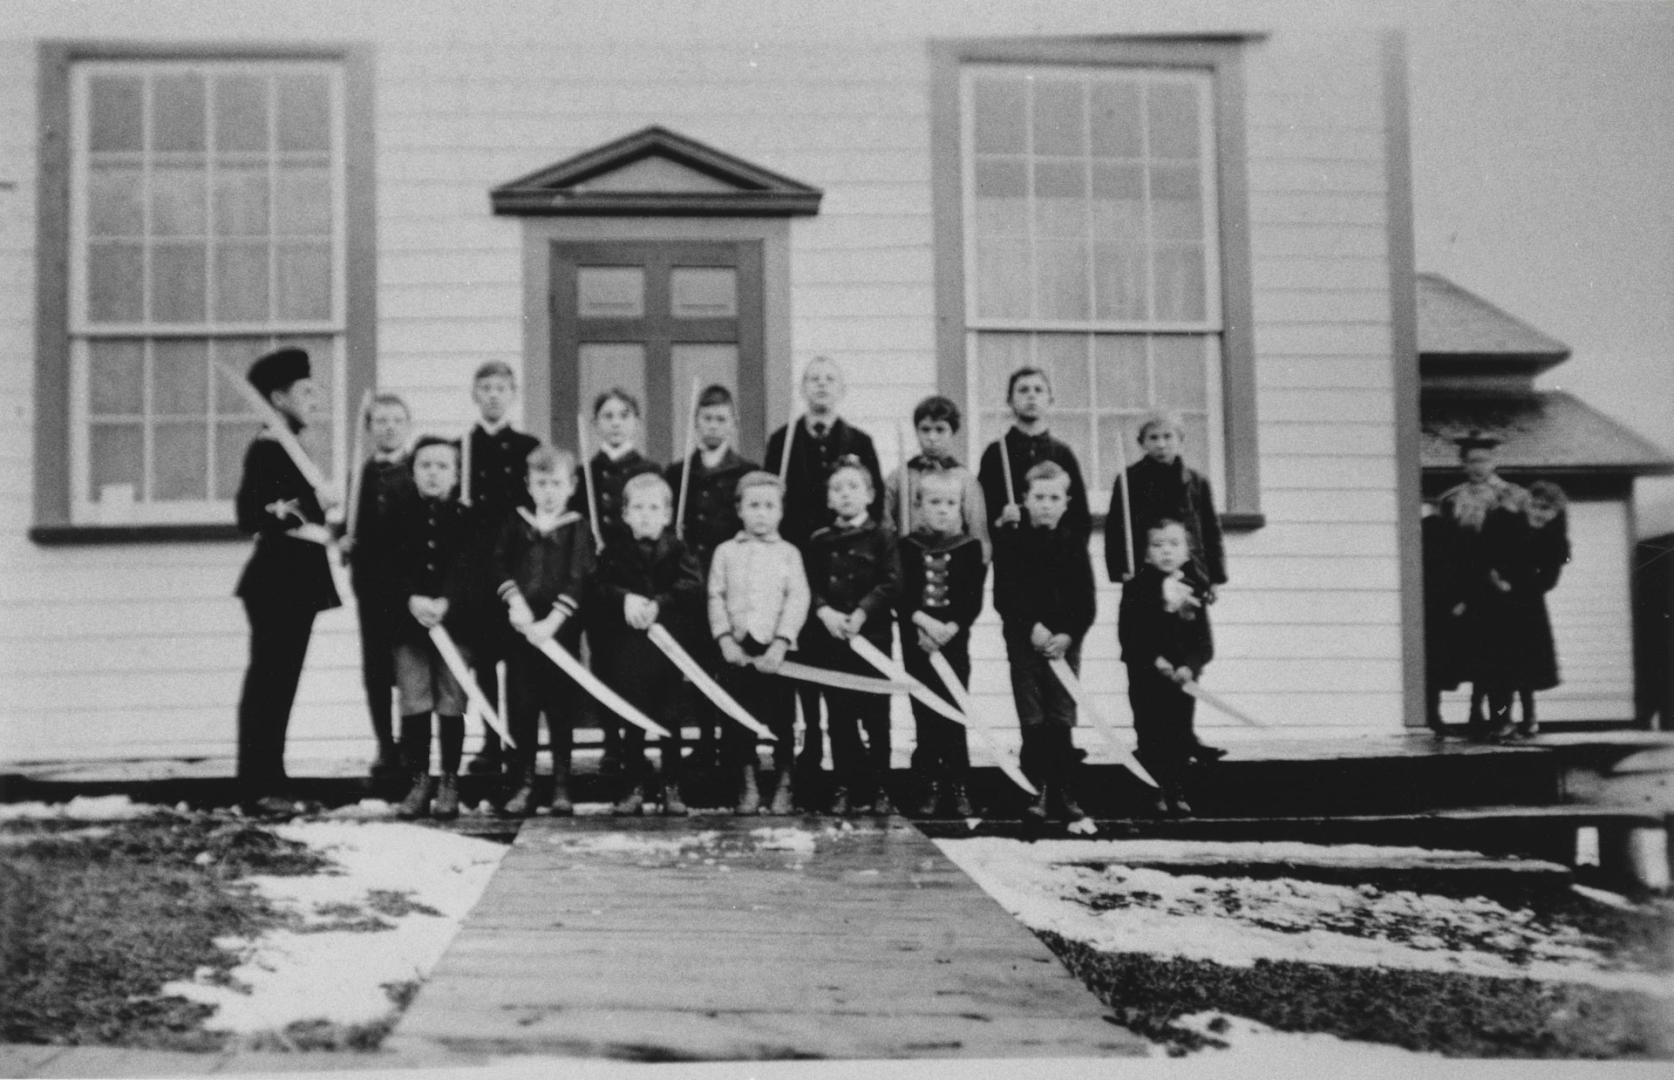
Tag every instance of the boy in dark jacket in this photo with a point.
(708, 481)
(1161, 487)
(1027, 443)
(491, 485)
(543, 561)
(645, 575)
(854, 578)
(386, 480)
(942, 574)
(1163, 627)
(286, 582)
(1043, 589)
(432, 542)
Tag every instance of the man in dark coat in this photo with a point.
(287, 580)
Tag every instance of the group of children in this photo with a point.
(1492, 551)
(512, 546)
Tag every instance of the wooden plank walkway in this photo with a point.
(723, 938)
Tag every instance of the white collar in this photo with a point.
(494, 429)
(544, 523)
(829, 420)
(745, 536)
(617, 454)
(712, 458)
(393, 457)
(858, 521)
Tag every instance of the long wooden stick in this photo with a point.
(1005, 463)
(357, 466)
(906, 526)
(1127, 503)
(280, 430)
(686, 461)
(465, 465)
(588, 478)
(790, 436)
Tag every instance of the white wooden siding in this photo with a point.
(111, 650)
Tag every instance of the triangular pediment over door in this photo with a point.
(656, 172)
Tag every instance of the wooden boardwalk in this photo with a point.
(722, 938)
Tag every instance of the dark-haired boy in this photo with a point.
(1027, 443)
(936, 423)
(286, 582)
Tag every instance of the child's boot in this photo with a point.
(417, 802)
(783, 798)
(928, 801)
(749, 799)
(1175, 800)
(882, 806)
(1035, 813)
(673, 804)
(522, 801)
(960, 800)
(840, 805)
(631, 804)
(446, 807)
(561, 805)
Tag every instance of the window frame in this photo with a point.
(55, 407)
(1222, 59)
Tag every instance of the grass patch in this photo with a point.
(94, 922)
(1456, 1015)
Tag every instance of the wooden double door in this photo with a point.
(657, 318)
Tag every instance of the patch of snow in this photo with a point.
(630, 843)
(80, 808)
(291, 975)
(1267, 1051)
(774, 838)
(1238, 921)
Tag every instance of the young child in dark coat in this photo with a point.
(432, 543)
(1163, 627)
(1161, 487)
(854, 577)
(758, 604)
(1043, 589)
(493, 457)
(645, 576)
(543, 561)
(1027, 443)
(708, 479)
(598, 499)
(386, 480)
(942, 575)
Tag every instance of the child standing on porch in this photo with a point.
(854, 577)
(645, 576)
(543, 561)
(1163, 627)
(598, 499)
(432, 541)
(709, 480)
(494, 455)
(942, 574)
(1024, 445)
(1043, 589)
(758, 602)
(386, 480)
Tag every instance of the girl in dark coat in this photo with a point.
(1525, 553)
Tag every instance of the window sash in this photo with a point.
(1079, 413)
(328, 331)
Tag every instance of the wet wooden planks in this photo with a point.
(720, 938)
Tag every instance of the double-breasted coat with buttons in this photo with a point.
(812, 457)
(852, 567)
(711, 517)
(432, 552)
(606, 477)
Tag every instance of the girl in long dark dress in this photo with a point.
(1526, 553)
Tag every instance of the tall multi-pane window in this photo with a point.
(1089, 210)
(206, 226)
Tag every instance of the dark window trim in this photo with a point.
(1222, 55)
(52, 254)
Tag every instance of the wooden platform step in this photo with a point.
(717, 938)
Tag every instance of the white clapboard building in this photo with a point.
(1205, 209)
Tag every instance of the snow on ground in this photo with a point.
(1236, 921)
(419, 883)
(80, 808)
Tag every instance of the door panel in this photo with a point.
(651, 316)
